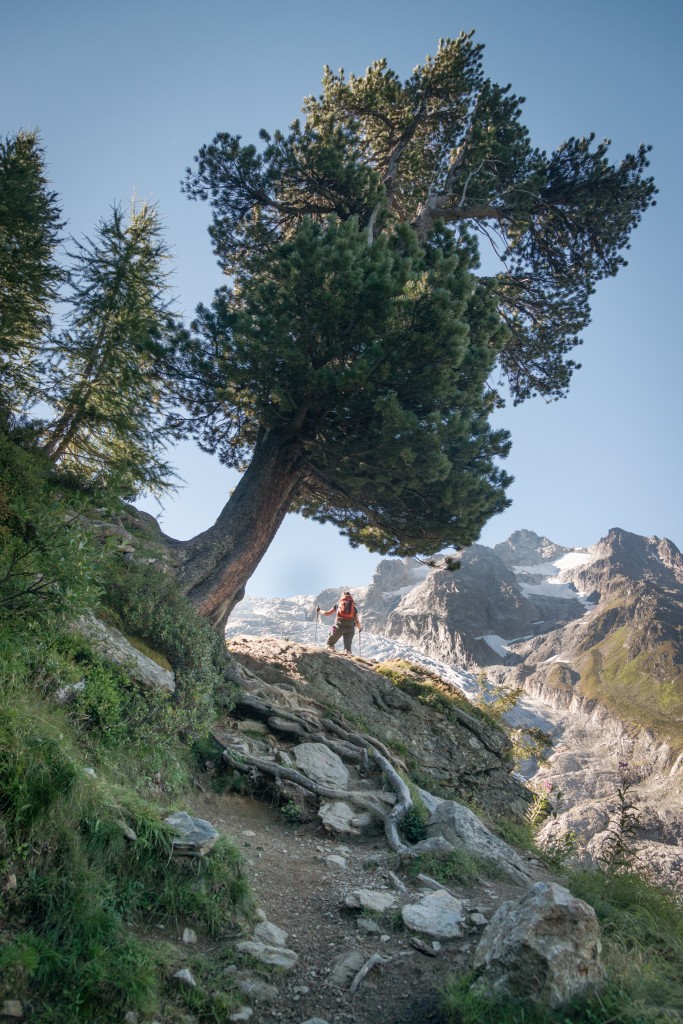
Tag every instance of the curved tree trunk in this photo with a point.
(214, 567)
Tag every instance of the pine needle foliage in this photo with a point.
(30, 228)
(446, 146)
(108, 380)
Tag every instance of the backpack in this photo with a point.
(346, 608)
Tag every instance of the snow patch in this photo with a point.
(401, 592)
(496, 643)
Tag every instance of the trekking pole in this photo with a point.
(317, 615)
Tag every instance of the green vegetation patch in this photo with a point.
(646, 689)
(95, 875)
(429, 689)
(458, 868)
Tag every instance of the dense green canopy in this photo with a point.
(372, 361)
(446, 146)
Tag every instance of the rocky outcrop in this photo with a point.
(463, 829)
(456, 755)
(113, 645)
(193, 837)
(544, 947)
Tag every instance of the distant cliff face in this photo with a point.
(518, 589)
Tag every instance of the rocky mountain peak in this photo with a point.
(621, 554)
(524, 547)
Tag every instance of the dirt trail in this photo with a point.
(303, 894)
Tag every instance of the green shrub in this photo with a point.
(49, 564)
(413, 827)
(148, 607)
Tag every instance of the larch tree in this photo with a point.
(346, 366)
(108, 376)
(30, 276)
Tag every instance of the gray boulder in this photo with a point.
(462, 828)
(372, 900)
(194, 836)
(338, 816)
(112, 644)
(271, 956)
(321, 764)
(544, 946)
(438, 915)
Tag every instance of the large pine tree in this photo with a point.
(345, 369)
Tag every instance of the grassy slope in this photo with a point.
(90, 887)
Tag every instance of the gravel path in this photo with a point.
(302, 893)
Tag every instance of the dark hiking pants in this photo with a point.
(344, 628)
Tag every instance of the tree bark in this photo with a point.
(214, 567)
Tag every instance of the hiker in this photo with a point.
(345, 623)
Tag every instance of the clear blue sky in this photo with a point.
(124, 94)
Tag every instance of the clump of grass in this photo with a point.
(458, 868)
(413, 827)
(92, 857)
(429, 689)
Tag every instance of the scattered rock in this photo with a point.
(438, 915)
(367, 926)
(12, 1008)
(479, 920)
(544, 946)
(131, 1017)
(189, 936)
(244, 1013)
(67, 694)
(256, 988)
(371, 899)
(335, 861)
(273, 956)
(321, 764)
(186, 977)
(195, 837)
(461, 827)
(270, 934)
(345, 968)
(342, 817)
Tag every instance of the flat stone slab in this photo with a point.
(345, 968)
(272, 956)
(111, 643)
(321, 765)
(371, 899)
(462, 828)
(194, 836)
(438, 915)
(270, 934)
